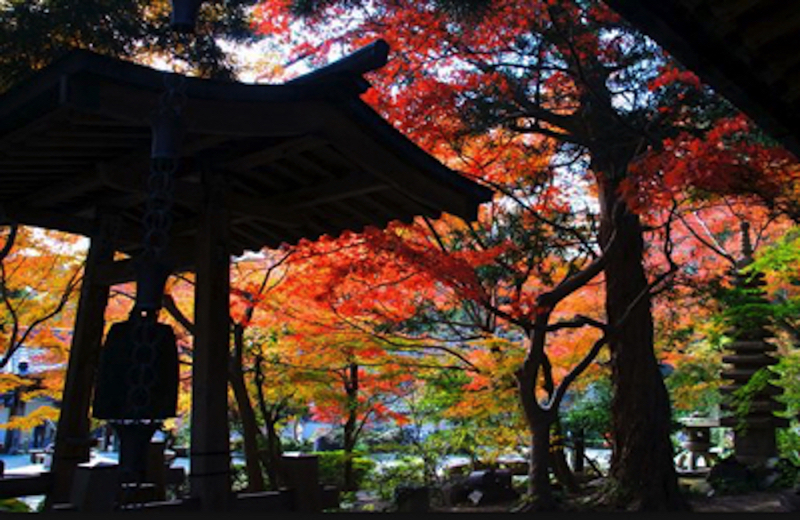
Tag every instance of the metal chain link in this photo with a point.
(157, 222)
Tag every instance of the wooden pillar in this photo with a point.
(209, 474)
(72, 439)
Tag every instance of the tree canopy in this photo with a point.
(35, 33)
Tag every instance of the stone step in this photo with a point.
(759, 360)
(751, 346)
(739, 373)
(758, 407)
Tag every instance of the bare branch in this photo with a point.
(709, 241)
(169, 304)
(573, 374)
(577, 322)
(10, 239)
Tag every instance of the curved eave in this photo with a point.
(301, 160)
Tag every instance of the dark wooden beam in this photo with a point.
(19, 131)
(181, 258)
(353, 66)
(49, 220)
(73, 441)
(689, 35)
(210, 444)
(28, 485)
(67, 223)
(65, 190)
(288, 148)
(287, 115)
(288, 203)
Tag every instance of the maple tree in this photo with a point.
(256, 349)
(354, 378)
(575, 73)
(735, 187)
(711, 239)
(40, 274)
(553, 71)
(422, 287)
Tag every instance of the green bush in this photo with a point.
(402, 471)
(590, 412)
(331, 468)
(788, 474)
(239, 479)
(789, 444)
(301, 445)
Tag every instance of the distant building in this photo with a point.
(24, 363)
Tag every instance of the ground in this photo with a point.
(697, 492)
(754, 502)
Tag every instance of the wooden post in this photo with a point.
(72, 440)
(209, 474)
(302, 476)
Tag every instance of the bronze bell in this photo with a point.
(112, 396)
(184, 15)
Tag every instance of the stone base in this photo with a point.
(755, 446)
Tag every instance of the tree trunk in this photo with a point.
(578, 450)
(642, 460)
(271, 459)
(539, 422)
(255, 478)
(539, 485)
(560, 465)
(273, 455)
(351, 388)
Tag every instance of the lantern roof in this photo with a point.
(301, 159)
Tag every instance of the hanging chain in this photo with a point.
(157, 220)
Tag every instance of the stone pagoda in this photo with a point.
(751, 350)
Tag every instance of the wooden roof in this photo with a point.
(301, 159)
(747, 50)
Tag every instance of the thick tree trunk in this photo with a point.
(539, 485)
(539, 422)
(642, 460)
(349, 473)
(255, 479)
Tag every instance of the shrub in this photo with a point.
(404, 471)
(331, 468)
